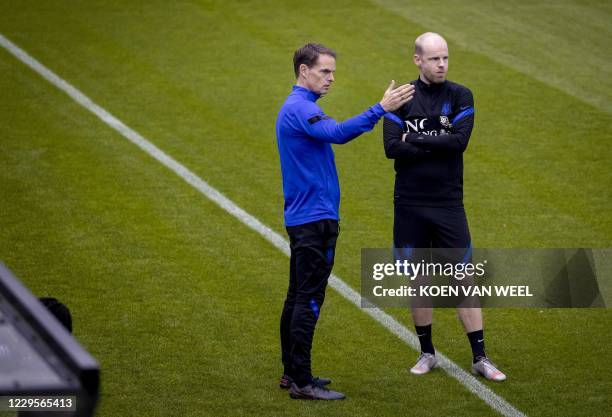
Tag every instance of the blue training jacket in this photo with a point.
(305, 134)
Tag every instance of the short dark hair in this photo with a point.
(309, 55)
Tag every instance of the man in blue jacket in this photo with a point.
(312, 197)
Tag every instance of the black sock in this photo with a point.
(477, 343)
(424, 334)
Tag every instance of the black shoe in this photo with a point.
(286, 380)
(314, 392)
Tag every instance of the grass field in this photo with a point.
(180, 302)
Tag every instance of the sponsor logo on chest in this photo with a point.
(431, 126)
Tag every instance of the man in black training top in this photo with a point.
(427, 137)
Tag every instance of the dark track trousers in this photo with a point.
(312, 258)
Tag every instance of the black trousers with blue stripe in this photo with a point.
(312, 258)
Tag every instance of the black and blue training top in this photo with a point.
(427, 137)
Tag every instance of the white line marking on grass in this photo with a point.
(495, 401)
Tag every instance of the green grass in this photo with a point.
(558, 43)
(180, 302)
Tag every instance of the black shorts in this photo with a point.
(430, 227)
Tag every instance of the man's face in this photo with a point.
(320, 77)
(433, 62)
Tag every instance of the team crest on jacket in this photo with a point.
(444, 121)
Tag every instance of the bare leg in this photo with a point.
(422, 316)
(471, 318)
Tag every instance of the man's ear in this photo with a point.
(416, 59)
(303, 70)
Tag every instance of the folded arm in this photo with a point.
(393, 137)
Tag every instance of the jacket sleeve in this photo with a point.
(393, 138)
(457, 140)
(320, 126)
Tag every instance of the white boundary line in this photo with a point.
(472, 384)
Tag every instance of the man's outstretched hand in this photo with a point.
(394, 98)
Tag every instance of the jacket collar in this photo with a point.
(430, 87)
(306, 93)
